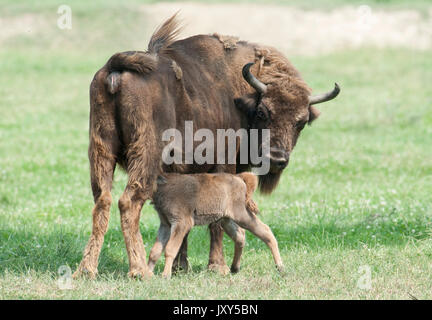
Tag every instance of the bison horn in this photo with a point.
(254, 82)
(325, 96)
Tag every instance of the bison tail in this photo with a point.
(133, 61)
(251, 182)
(139, 61)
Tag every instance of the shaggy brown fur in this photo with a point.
(137, 95)
(185, 200)
(229, 42)
(251, 182)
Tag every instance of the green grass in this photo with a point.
(357, 190)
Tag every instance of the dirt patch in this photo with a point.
(298, 31)
(20, 25)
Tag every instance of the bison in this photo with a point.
(211, 80)
(185, 200)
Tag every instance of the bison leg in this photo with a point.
(130, 205)
(89, 262)
(101, 212)
(142, 166)
(102, 149)
(102, 170)
(181, 261)
(142, 176)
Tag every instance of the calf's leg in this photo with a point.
(216, 257)
(261, 230)
(178, 232)
(181, 261)
(161, 241)
(237, 234)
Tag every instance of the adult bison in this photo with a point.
(137, 95)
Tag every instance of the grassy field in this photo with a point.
(356, 193)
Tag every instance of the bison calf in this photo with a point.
(185, 200)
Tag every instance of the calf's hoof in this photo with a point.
(221, 269)
(281, 270)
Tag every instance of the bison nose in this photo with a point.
(280, 163)
(279, 159)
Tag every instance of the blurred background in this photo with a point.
(356, 192)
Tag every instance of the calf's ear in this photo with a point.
(314, 113)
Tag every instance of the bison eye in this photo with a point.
(261, 115)
(301, 124)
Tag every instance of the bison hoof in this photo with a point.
(181, 264)
(235, 269)
(180, 267)
(140, 274)
(221, 269)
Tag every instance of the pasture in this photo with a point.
(355, 198)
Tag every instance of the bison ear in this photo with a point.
(245, 105)
(313, 114)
